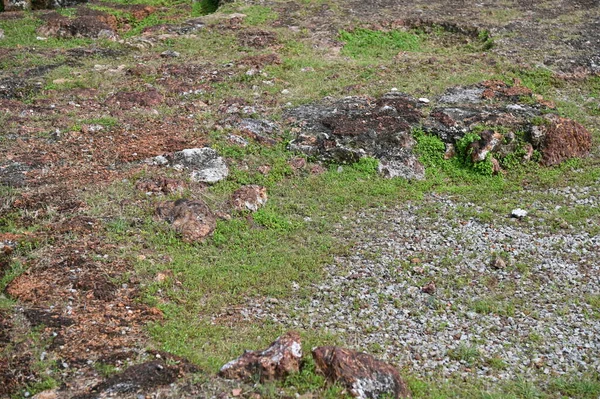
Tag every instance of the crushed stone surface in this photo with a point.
(528, 318)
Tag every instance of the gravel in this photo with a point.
(531, 318)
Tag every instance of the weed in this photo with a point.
(465, 353)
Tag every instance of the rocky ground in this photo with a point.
(129, 267)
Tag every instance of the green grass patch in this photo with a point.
(366, 43)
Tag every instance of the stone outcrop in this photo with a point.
(190, 218)
(277, 361)
(364, 376)
(89, 23)
(249, 198)
(346, 130)
(206, 164)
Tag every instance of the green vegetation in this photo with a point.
(366, 43)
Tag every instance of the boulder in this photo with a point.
(343, 131)
(277, 361)
(249, 198)
(364, 376)
(190, 218)
(206, 164)
(559, 139)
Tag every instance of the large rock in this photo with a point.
(90, 23)
(206, 164)
(249, 198)
(516, 121)
(363, 375)
(192, 219)
(343, 131)
(277, 361)
(559, 139)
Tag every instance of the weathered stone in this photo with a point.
(560, 139)
(263, 131)
(481, 148)
(17, 5)
(346, 130)
(13, 174)
(93, 24)
(364, 376)
(277, 361)
(249, 198)
(206, 164)
(190, 218)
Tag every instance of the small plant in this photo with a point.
(465, 353)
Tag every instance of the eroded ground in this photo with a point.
(92, 283)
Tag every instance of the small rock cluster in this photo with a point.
(193, 219)
(362, 375)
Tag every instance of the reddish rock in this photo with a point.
(489, 142)
(249, 198)
(297, 163)
(277, 361)
(560, 139)
(429, 288)
(363, 375)
(192, 219)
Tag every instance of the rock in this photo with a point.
(343, 131)
(559, 139)
(263, 131)
(190, 218)
(17, 5)
(363, 375)
(277, 361)
(1, 34)
(13, 174)
(93, 24)
(206, 164)
(518, 213)
(429, 288)
(249, 198)
(50, 394)
(489, 142)
(497, 262)
(169, 54)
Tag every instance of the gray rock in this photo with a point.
(17, 5)
(1, 34)
(206, 164)
(343, 131)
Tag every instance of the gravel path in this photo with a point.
(533, 312)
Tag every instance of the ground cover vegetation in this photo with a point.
(82, 114)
